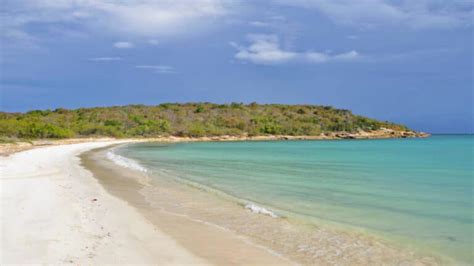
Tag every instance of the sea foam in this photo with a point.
(257, 209)
(125, 162)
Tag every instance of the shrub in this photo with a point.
(199, 109)
(196, 130)
(201, 119)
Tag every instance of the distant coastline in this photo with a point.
(176, 122)
(12, 146)
(200, 121)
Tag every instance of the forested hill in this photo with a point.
(190, 119)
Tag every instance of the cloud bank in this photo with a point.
(416, 14)
(265, 49)
(144, 18)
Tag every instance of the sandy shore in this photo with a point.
(216, 244)
(68, 204)
(209, 224)
(53, 211)
(19, 145)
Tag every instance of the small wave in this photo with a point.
(125, 162)
(257, 209)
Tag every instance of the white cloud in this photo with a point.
(150, 18)
(265, 49)
(347, 56)
(143, 18)
(371, 13)
(123, 45)
(105, 59)
(159, 69)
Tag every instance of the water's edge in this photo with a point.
(96, 160)
(222, 247)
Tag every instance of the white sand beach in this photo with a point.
(53, 211)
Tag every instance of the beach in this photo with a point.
(55, 212)
(78, 204)
(174, 205)
(229, 132)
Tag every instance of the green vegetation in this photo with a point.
(190, 119)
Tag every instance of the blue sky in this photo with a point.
(405, 61)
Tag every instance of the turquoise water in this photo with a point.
(418, 191)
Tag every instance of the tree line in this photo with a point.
(186, 119)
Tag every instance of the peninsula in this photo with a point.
(201, 121)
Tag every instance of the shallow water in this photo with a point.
(418, 192)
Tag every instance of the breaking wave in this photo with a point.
(260, 210)
(125, 162)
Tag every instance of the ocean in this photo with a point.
(417, 193)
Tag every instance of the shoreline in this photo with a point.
(290, 240)
(211, 242)
(57, 207)
(7, 149)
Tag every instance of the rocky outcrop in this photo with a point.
(382, 133)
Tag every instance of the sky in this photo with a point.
(405, 61)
